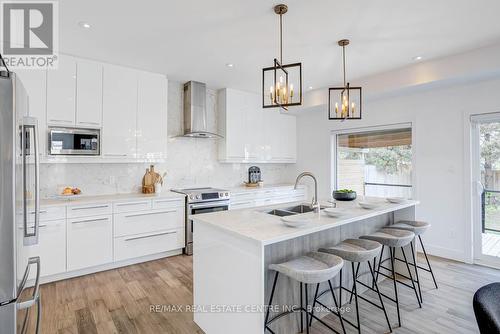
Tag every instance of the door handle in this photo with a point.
(150, 236)
(130, 204)
(89, 207)
(149, 213)
(89, 221)
(30, 123)
(28, 303)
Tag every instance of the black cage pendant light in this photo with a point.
(344, 102)
(281, 83)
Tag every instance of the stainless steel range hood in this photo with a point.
(195, 111)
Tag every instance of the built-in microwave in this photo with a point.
(74, 141)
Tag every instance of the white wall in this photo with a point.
(441, 133)
(190, 162)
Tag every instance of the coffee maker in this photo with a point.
(254, 175)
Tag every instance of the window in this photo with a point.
(375, 162)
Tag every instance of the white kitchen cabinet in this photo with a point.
(51, 248)
(61, 93)
(119, 112)
(253, 134)
(35, 83)
(88, 94)
(131, 206)
(89, 241)
(233, 108)
(87, 210)
(151, 116)
(147, 221)
(280, 137)
(148, 243)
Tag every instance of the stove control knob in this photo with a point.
(191, 196)
(227, 194)
(198, 196)
(221, 194)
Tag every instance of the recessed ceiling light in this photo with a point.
(230, 65)
(84, 25)
(310, 87)
(417, 58)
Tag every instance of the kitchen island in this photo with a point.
(233, 249)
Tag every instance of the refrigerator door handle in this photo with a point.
(30, 302)
(31, 123)
(35, 299)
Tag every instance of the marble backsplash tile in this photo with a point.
(190, 162)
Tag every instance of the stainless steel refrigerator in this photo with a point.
(19, 208)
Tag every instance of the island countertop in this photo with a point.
(257, 225)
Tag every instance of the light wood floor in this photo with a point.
(118, 301)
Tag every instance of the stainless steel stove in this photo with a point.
(201, 200)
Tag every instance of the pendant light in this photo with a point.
(344, 102)
(281, 83)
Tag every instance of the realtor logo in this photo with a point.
(29, 33)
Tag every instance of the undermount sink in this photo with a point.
(293, 210)
(281, 213)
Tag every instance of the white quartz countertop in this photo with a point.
(84, 199)
(257, 225)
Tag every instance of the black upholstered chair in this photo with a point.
(487, 308)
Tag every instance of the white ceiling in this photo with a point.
(194, 39)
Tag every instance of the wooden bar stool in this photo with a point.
(312, 268)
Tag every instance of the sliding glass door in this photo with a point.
(374, 161)
(486, 175)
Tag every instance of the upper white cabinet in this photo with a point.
(88, 94)
(127, 105)
(119, 112)
(251, 133)
(61, 93)
(74, 93)
(151, 116)
(35, 83)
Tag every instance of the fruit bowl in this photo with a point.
(344, 195)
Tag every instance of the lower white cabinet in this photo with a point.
(148, 243)
(79, 236)
(89, 210)
(51, 248)
(89, 241)
(148, 221)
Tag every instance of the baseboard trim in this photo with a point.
(104, 267)
(443, 252)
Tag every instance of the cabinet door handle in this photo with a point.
(88, 221)
(93, 123)
(127, 204)
(116, 154)
(90, 207)
(165, 200)
(60, 120)
(149, 213)
(150, 236)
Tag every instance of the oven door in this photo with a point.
(70, 141)
(199, 208)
